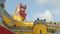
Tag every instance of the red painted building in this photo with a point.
(5, 31)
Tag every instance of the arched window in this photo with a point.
(51, 30)
(48, 29)
(40, 31)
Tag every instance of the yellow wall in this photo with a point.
(17, 32)
(16, 17)
(39, 27)
(36, 29)
(26, 32)
(52, 27)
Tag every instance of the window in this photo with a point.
(48, 30)
(54, 22)
(40, 31)
(51, 30)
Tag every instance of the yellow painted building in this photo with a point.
(29, 27)
(25, 27)
(15, 24)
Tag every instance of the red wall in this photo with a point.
(5, 31)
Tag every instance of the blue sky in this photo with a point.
(43, 9)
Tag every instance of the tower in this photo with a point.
(20, 10)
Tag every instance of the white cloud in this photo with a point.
(42, 1)
(46, 15)
(56, 11)
(53, 2)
